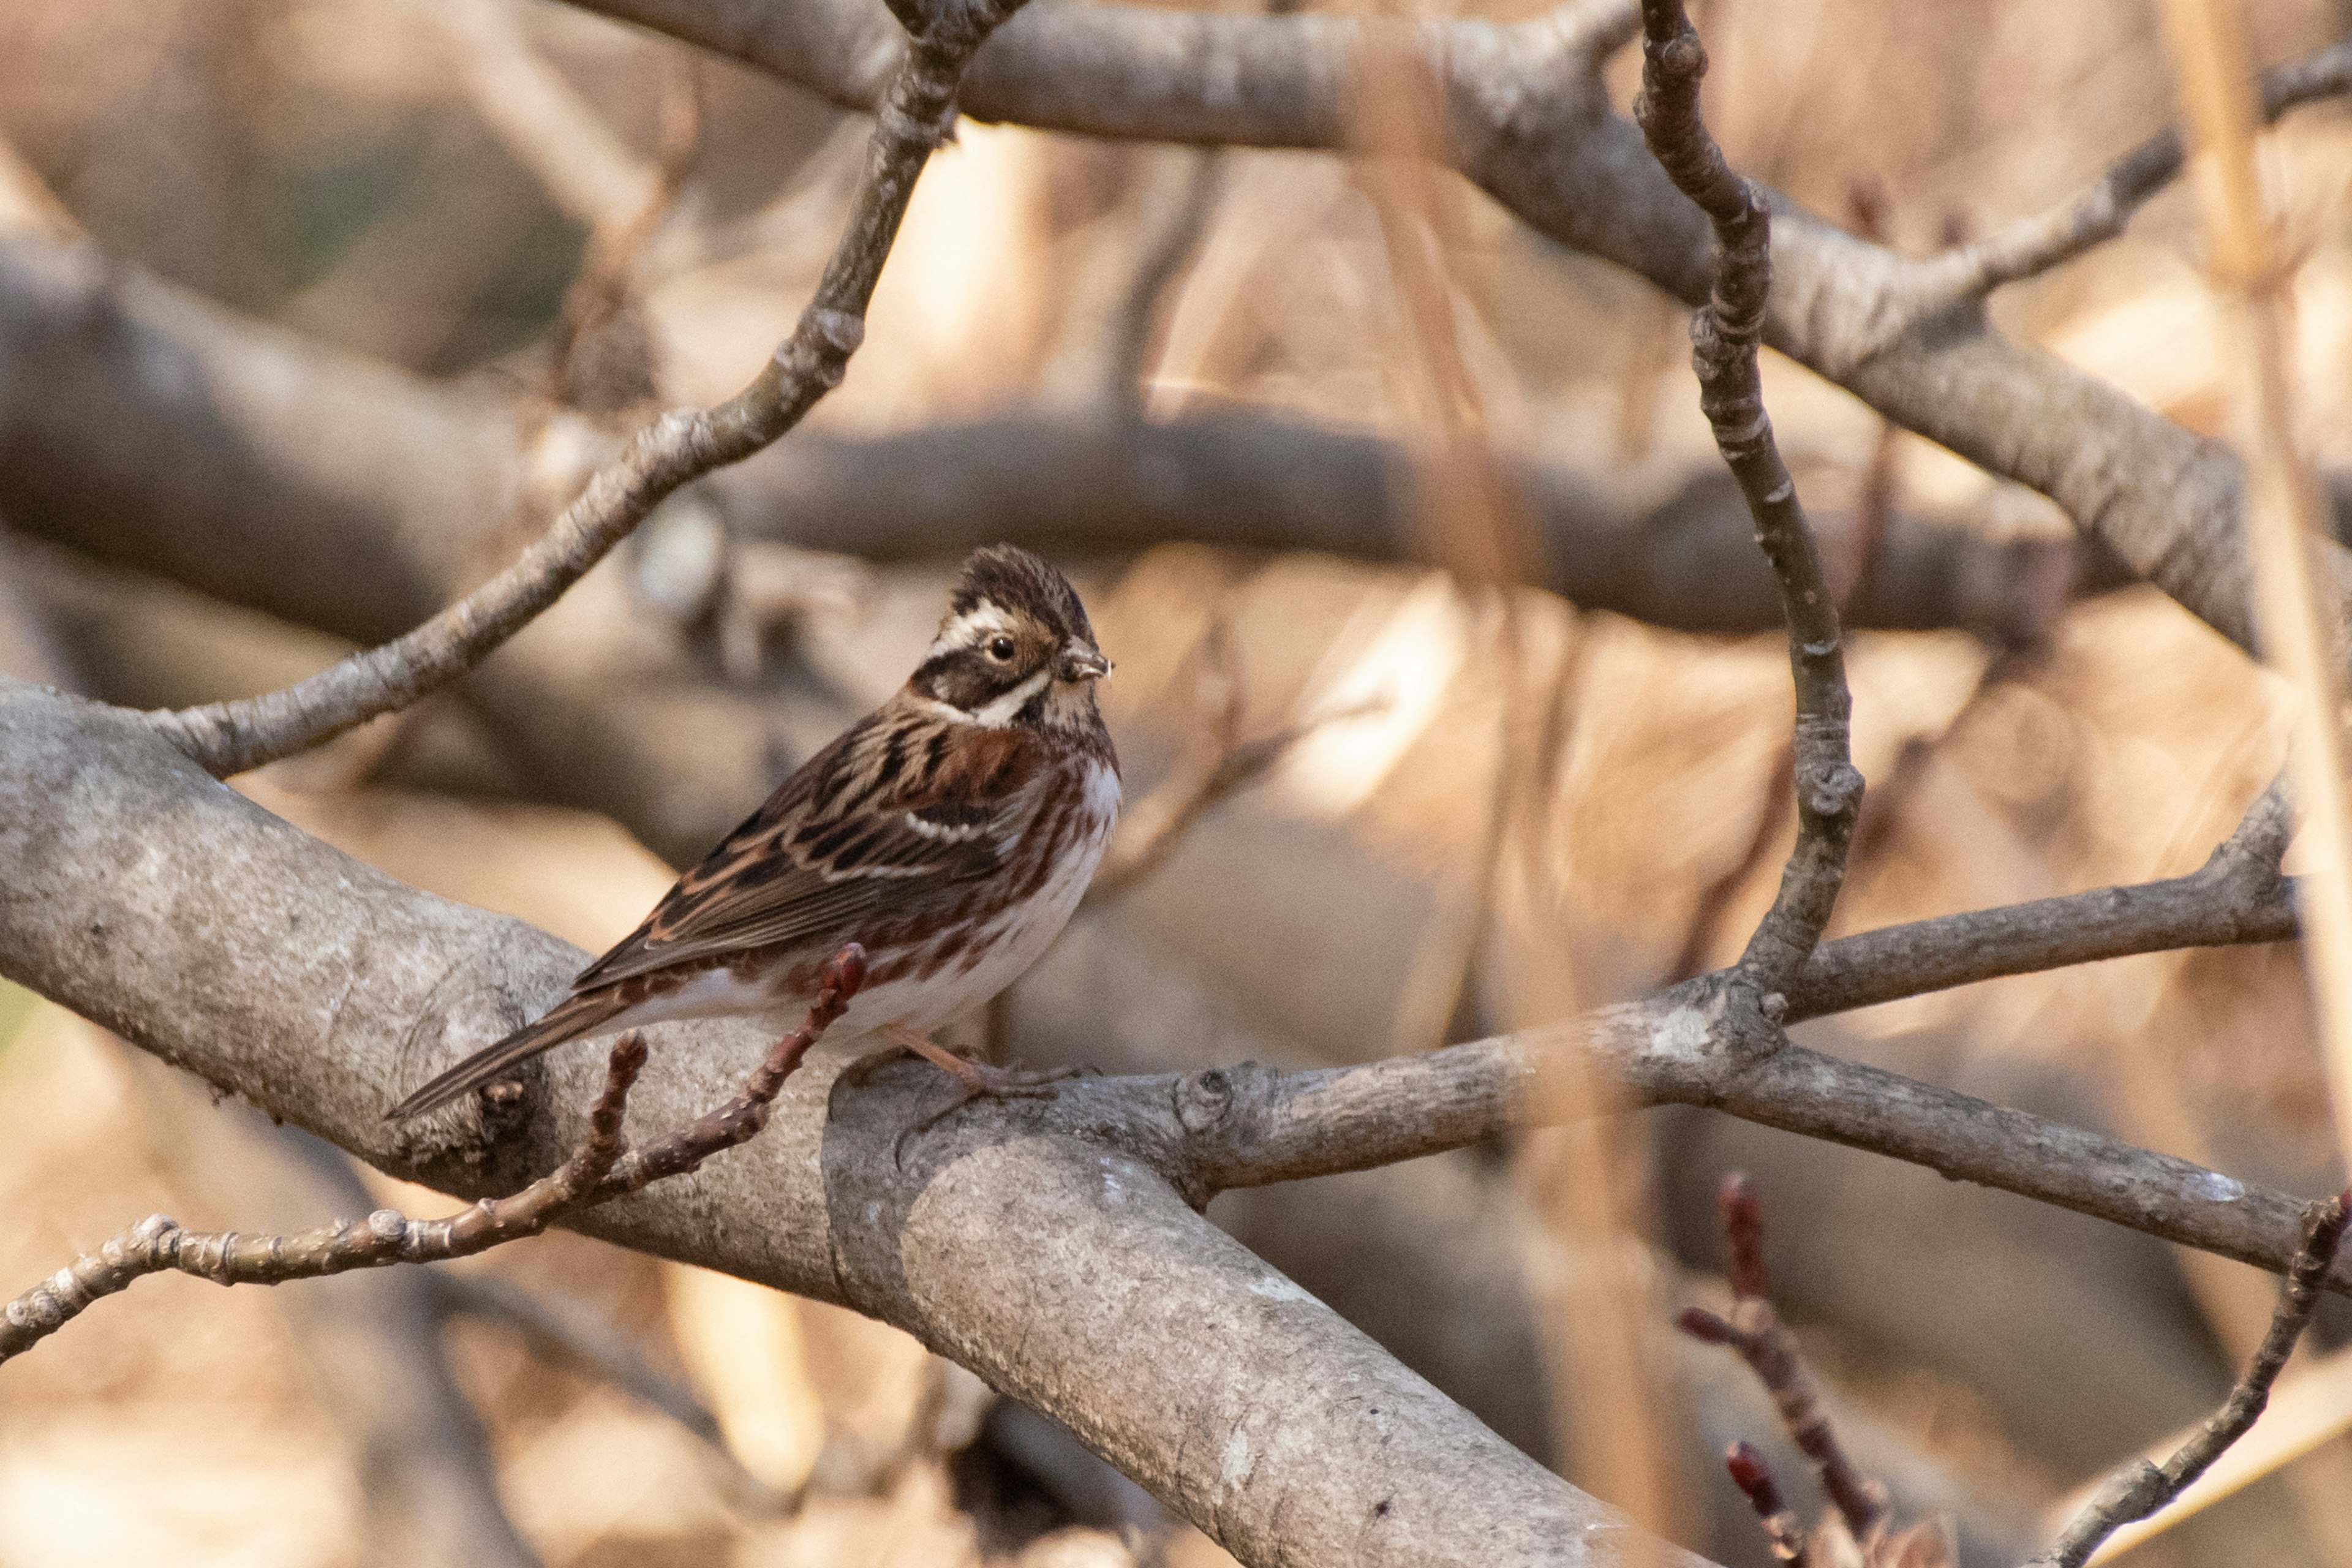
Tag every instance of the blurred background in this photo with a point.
(1423, 579)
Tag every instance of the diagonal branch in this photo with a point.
(601, 1168)
(2033, 246)
(1725, 334)
(2239, 895)
(914, 118)
(2140, 1488)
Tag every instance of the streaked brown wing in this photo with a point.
(898, 810)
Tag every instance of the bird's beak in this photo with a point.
(1079, 662)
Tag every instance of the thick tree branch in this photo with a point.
(1533, 127)
(604, 1167)
(914, 118)
(1039, 1244)
(1725, 334)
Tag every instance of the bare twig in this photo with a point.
(2033, 246)
(1222, 765)
(603, 354)
(2238, 896)
(601, 1168)
(1765, 1343)
(2139, 1489)
(673, 450)
(1754, 1478)
(1725, 333)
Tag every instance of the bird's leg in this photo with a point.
(978, 1078)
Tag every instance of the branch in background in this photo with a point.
(603, 1166)
(571, 1334)
(1532, 124)
(1765, 1343)
(2140, 1488)
(2033, 246)
(1725, 334)
(602, 352)
(1219, 766)
(1173, 235)
(915, 118)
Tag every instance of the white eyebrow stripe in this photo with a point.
(967, 629)
(999, 713)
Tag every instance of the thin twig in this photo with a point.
(604, 1167)
(2033, 246)
(1223, 766)
(2139, 1489)
(1755, 1331)
(1725, 333)
(2238, 896)
(1754, 1478)
(675, 450)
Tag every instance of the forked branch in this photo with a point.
(604, 1167)
(1725, 333)
(673, 451)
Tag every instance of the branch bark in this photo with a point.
(1532, 126)
(914, 116)
(1041, 1245)
(1724, 338)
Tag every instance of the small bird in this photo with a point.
(951, 832)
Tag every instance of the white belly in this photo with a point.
(1017, 938)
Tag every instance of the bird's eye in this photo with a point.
(999, 649)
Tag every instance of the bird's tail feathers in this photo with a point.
(569, 1019)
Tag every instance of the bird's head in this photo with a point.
(1015, 646)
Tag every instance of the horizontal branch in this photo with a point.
(1062, 1267)
(218, 942)
(1533, 126)
(2239, 895)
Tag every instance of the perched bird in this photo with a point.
(951, 832)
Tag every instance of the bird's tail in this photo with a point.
(569, 1019)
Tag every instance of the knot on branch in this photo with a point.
(956, 27)
(1831, 789)
(929, 125)
(1206, 1098)
(819, 349)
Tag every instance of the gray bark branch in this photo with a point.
(1533, 127)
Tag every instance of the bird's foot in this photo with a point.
(976, 1080)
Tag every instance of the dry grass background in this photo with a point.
(320, 163)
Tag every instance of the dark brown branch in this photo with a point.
(2140, 1488)
(1755, 1331)
(914, 118)
(1725, 334)
(1754, 1478)
(2034, 244)
(601, 1168)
